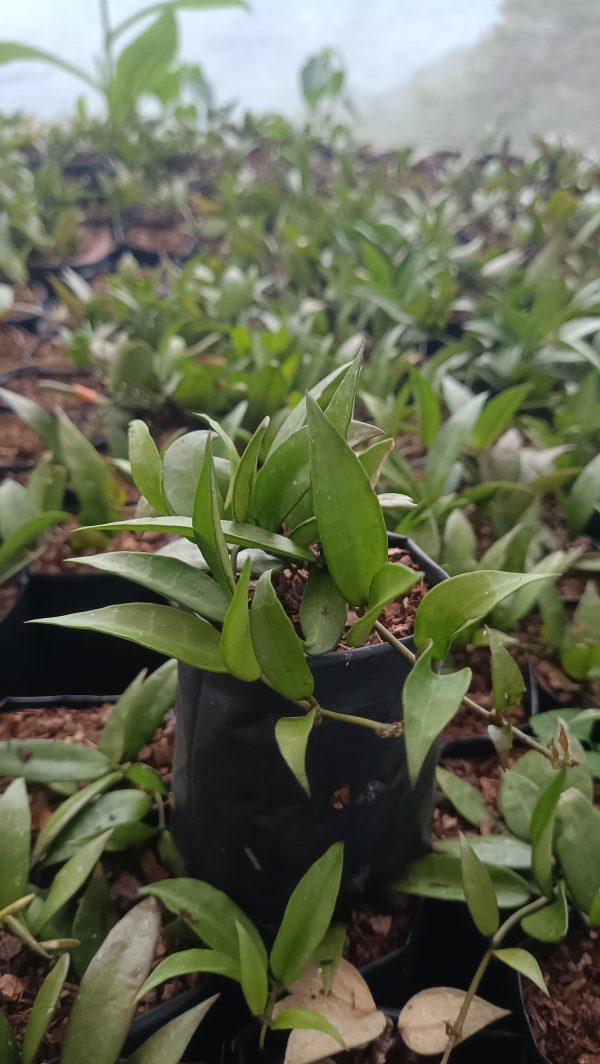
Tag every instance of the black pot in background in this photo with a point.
(41, 658)
(241, 819)
(87, 266)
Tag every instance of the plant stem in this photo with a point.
(495, 941)
(487, 714)
(392, 730)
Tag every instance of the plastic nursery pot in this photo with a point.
(242, 820)
(40, 658)
(96, 255)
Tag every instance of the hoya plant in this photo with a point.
(26, 512)
(301, 983)
(545, 825)
(121, 804)
(105, 1003)
(304, 498)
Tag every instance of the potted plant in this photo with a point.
(246, 671)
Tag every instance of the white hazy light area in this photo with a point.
(436, 73)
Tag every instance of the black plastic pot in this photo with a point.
(242, 820)
(534, 1053)
(87, 266)
(40, 658)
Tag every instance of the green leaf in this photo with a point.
(497, 414)
(516, 801)
(236, 642)
(439, 876)
(329, 953)
(283, 481)
(465, 798)
(184, 584)
(42, 1012)
(147, 778)
(9, 1054)
(245, 476)
(253, 973)
(551, 923)
(15, 837)
(507, 680)
(182, 465)
(388, 584)
(351, 526)
(307, 1020)
(479, 891)
(91, 922)
(164, 629)
(232, 454)
(169, 1043)
(189, 961)
(46, 760)
(460, 544)
(208, 911)
(505, 850)
(67, 881)
(522, 961)
(307, 915)
(292, 735)
(430, 700)
(112, 737)
(90, 476)
(450, 607)
(541, 833)
(322, 613)
(578, 847)
(106, 811)
(242, 535)
(147, 707)
(206, 524)
(428, 407)
(583, 497)
(11, 52)
(142, 64)
(448, 443)
(105, 1002)
(146, 465)
(278, 649)
(69, 809)
(27, 533)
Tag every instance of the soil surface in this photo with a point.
(16, 347)
(398, 617)
(482, 773)
(60, 548)
(566, 1024)
(77, 406)
(378, 927)
(33, 296)
(52, 352)
(159, 238)
(96, 243)
(20, 446)
(466, 722)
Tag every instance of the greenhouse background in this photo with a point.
(437, 74)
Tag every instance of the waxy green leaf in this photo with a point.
(42, 1012)
(208, 911)
(438, 875)
(551, 923)
(188, 961)
(307, 915)
(351, 526)
(453, 605)
(245, 475)
(169, 1043)
(292, 735)
(278, 649)
(306, 1020)
(46, 760)
(146, 465)
(206, 524)
(105, 1002)
(578, 847)
(504, 850)
(448, 443)
(480, 894)
(107, 811)
(523, 962)
(15, 838)
(253, 973)
(583, 497)
(90, 476)
(507, 680)
(92, 920)
(69, 809)
(162, 628)
(322, 613)
(67, 881)
(497, 414)
(430, 700)
(541, 833)
(184, 584)
(236, 642)
(466, 799)
(388, 583)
